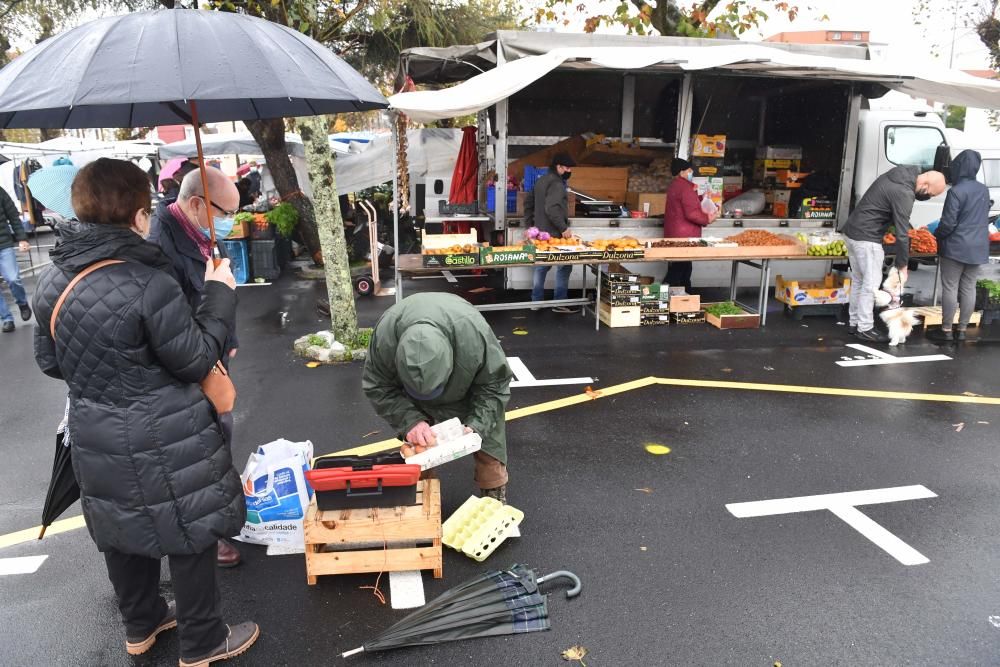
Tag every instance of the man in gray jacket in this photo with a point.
(889, 201)
(11, 231)
(550, 214)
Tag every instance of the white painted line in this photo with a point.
(520, 371)
(449, 276)
(844, 505)
(23, 565)
(406, 590)
(524, 377)
(883, 358)
(254, 284)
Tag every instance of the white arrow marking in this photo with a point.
(844, 505)
(23, 565)
(882, 358)
(524, 378)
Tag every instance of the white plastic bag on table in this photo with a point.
(276, 493)
(750, 202)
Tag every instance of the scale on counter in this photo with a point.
(591, 207)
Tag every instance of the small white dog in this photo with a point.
(900, 322)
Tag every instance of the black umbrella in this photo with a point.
(173, 66)
(63, 489)
(178, 66)
(498, 602)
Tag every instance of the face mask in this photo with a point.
(923, 195)
(223, 226)
(690, 176)
(566, 175)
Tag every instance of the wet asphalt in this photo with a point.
(670, 576)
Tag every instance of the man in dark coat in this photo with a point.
(11, 232)
(433, 357)
(156, 475)
(963, 238)
(889, 201)
(550, 214)
(183, 226)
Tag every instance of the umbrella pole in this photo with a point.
(204, 180)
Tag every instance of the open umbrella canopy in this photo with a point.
(52, 186)
(143, 69)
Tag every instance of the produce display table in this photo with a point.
(759, 257)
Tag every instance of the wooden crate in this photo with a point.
(386, 526)
(932, 316)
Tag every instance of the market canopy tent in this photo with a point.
(429, 151)
(485, 90)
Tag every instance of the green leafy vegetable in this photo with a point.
(724, 308)
(992, 287)
(284, 217)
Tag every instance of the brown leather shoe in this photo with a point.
(241, 637)
(228, 555)
(139, 645)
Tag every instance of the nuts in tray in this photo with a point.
(759, 237)
(667, 243)
(452, 250)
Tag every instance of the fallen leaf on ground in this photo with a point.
(594, 395)
(520, 331)
(768, 368)
(959, 427)
(777, 664)
(644, 489)
(727, 370)
(657, 450)
(370, 434)
(575, 654)
(312, 364)
(970, 393)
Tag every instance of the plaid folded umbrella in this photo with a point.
(495, 603)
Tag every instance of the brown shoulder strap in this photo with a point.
(69, 288)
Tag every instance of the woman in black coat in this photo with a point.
(155, 474)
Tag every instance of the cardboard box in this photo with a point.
(619, 288)
(779, 152)
(637, 201)
(682, 302)
(654, 308)
(654, 293)
(710, 187)
(519, 208)
(832, 289)
(779, 209)
(732, 186)
(707, 166)
(602, 182)
(708, 145)
(620, 316)
(654, 320)
(490, 256)
(688, 318)
(816, 208)
(778, 171)
(620, 299)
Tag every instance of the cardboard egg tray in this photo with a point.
(479, 526)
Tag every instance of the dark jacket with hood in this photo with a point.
(889, 201)
(963, 234)
(155, 476)
(11, 229)
(476, 382)
(548, 202)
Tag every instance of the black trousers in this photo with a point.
(679, 274)
(136, 580)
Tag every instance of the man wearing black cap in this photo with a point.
(551, 215)
(683, 218)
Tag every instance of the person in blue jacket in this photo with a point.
(963, 244)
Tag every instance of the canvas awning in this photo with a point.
(485, 90)
(431, 150)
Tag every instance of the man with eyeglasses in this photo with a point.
(184, 236)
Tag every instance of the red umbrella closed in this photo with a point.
(464, 180)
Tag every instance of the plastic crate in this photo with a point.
(261, 230)
(265, 259)
(491, 200)
(239, 259)
(532, 174)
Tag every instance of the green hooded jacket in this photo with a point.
(431, 343)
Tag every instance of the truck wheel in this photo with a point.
(364, 286)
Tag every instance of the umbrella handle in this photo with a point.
(564, 574)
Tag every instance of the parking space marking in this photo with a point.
(524, 377)
(23, 565)
(844, 506)
(883, 358)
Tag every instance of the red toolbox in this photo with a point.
(361, 484)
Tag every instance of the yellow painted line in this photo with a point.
(830, 391)
(585, 397)
(29, 534)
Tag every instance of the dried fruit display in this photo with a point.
(624, 243)
(668, 243)
(759, 237)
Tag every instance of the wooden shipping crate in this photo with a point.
(341, 541)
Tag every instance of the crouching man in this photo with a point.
(433, 357)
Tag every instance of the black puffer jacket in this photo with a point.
(963, 235)
(155, 475)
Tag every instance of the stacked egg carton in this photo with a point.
(479, 526)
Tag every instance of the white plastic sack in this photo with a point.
(276, 493)
(750, 202)
(708, 206)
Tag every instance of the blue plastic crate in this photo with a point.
(532, 174)
(239, 259)
(491, 200)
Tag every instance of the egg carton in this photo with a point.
(452, 443)
(479, 526)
